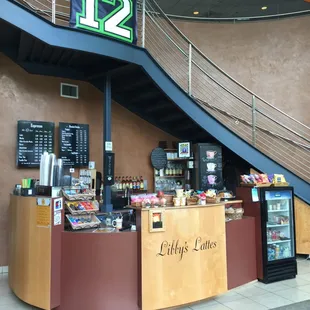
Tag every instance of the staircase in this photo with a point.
(210, 101)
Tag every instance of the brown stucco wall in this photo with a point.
(31, 97)
(269, 57)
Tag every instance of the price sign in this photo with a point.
(74, 144)
(33, 139)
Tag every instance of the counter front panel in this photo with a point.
(185, 260)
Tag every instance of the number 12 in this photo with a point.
(113, 24)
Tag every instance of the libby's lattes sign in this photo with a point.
(175, 247)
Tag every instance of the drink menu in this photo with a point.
(209, 166)
(74, 144)
(33, 139)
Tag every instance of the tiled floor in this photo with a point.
(253, 296)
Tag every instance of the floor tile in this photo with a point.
(295, 282)
(303, 269)
(7, 299)
(229, 296)
(200, 305)
(304, 288)
(294, 294)
(272, 287)
(305, 276)
(271, 300)
(4, 290)
(251, 291)
(244, 304)
(217, 306)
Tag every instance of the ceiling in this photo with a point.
(231, 8)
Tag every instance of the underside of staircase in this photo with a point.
(139, 83)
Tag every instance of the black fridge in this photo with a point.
(273, 208)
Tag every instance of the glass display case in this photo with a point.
(279, 225)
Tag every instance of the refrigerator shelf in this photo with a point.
(278, 225)
(271, 211)
(278, 241)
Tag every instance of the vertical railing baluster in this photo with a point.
(143, 23)
(253, 120)
(190, 69)
(54, 11)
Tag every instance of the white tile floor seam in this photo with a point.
(252, 296)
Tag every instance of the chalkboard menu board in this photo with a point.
(159, 158)
(209, 166)
(74, 144)
(33, 138)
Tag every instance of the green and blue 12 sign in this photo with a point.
(114, 18)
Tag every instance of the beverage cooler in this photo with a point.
(273, 208)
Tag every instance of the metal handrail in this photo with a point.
(241, 18)
(266, 127)
(221, 70)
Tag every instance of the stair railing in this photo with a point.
(270, 130)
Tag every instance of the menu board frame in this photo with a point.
(208, 166)
(33, 124)
(61, 154)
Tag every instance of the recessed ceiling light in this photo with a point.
(195, 12)
(264, 8)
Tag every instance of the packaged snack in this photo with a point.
(278, 178)
(252, 178)
(264, 178)
(270, 178)
(257, 178)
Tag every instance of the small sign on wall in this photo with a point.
(109, 168)
(57, 218)
(43, 212)
(157, 220)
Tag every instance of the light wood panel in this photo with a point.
(302, 226)
(29, 253)
(186, 262)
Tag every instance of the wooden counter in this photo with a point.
(184, 260)
(34, 252)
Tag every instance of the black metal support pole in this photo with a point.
(107, 205)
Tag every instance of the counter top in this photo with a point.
(222, 204)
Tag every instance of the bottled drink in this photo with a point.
(170, 170)
(269, 235)
(138, 184)
(141, 183)
(134, 183)
(181, 171)
(127, 183)
(174, 171)
(277, 256)
(123, 183)
(167, 171)
(130, 182)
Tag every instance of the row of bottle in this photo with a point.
(121, 183)
(278, 252)
(170, 170)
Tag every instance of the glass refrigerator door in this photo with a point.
(279, 225)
